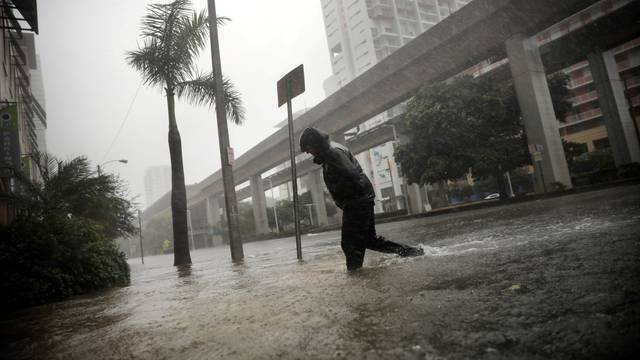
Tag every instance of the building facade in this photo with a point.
(22, 116)
(157, 182)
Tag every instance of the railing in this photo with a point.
(574, 83)
(581, 99)
(632, 81)
(589, 114)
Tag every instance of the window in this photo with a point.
(601, 144)
(336, 50)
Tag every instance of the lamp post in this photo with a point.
(275, 204)
(123, 161)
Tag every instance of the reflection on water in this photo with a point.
(271, 302)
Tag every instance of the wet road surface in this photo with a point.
(554, 278)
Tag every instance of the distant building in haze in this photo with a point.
(157, 182)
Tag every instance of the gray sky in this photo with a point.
(89, 87)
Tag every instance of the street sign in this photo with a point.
(534, 148)
(230, 156)
(537, 156)
(290, 86)
(295, 78)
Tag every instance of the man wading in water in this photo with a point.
(353, 193)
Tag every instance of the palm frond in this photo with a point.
(149, 62)
(191, 33)
(202, 90)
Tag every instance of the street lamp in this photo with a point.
(124, 161)
(275, 204)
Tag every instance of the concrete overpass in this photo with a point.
(482, 29)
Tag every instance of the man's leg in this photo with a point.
(379, 243)
(353, 237)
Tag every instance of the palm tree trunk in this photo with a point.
(181, 254)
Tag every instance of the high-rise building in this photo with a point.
(157, 182)
(18, 120)
(361, 33)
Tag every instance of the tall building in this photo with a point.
(360, 33)
(157, 182)
(18, 118)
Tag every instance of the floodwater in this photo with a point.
(553, 278)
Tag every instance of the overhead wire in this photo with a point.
(126, 116)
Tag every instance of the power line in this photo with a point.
(123, 122)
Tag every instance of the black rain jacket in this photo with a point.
(347, 183)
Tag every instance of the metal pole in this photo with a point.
(294, 178)
(393, 187)
(231, 204)
(140, 228)
(275, 205)
(544, 186)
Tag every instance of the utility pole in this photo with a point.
(140, 229)
(226, 152)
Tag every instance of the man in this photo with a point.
(353, 193)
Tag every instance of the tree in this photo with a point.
(62, 240)
(467, 124)
(173, 36)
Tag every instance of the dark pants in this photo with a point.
(359, 234)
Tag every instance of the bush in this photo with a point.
(628, 171)
(44, 259)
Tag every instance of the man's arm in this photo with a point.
(340, 161)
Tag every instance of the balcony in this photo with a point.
(576, 83)
(628, 63)
(632, 82)
(584, 98)
(583, 116)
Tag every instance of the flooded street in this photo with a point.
(553, 278)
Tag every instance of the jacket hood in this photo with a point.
(313, 138)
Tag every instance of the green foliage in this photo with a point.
(154, 235)
(593, 161)
(167, 246)
(628, 171)
(62, 242)
(466, 124)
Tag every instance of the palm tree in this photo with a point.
(173, 36)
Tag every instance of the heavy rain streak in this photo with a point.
(320, 179)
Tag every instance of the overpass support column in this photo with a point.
(213, 218)
(259, 204)
(614, 106)
(417, 197)
(314, 183)
(537, 111)
(213, 211)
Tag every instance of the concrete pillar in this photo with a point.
(213, 217)
(414, 197)
(259, 204)
(213, 211)
(314, 183)
(614, 106)
(539, 119)
(426, 204)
